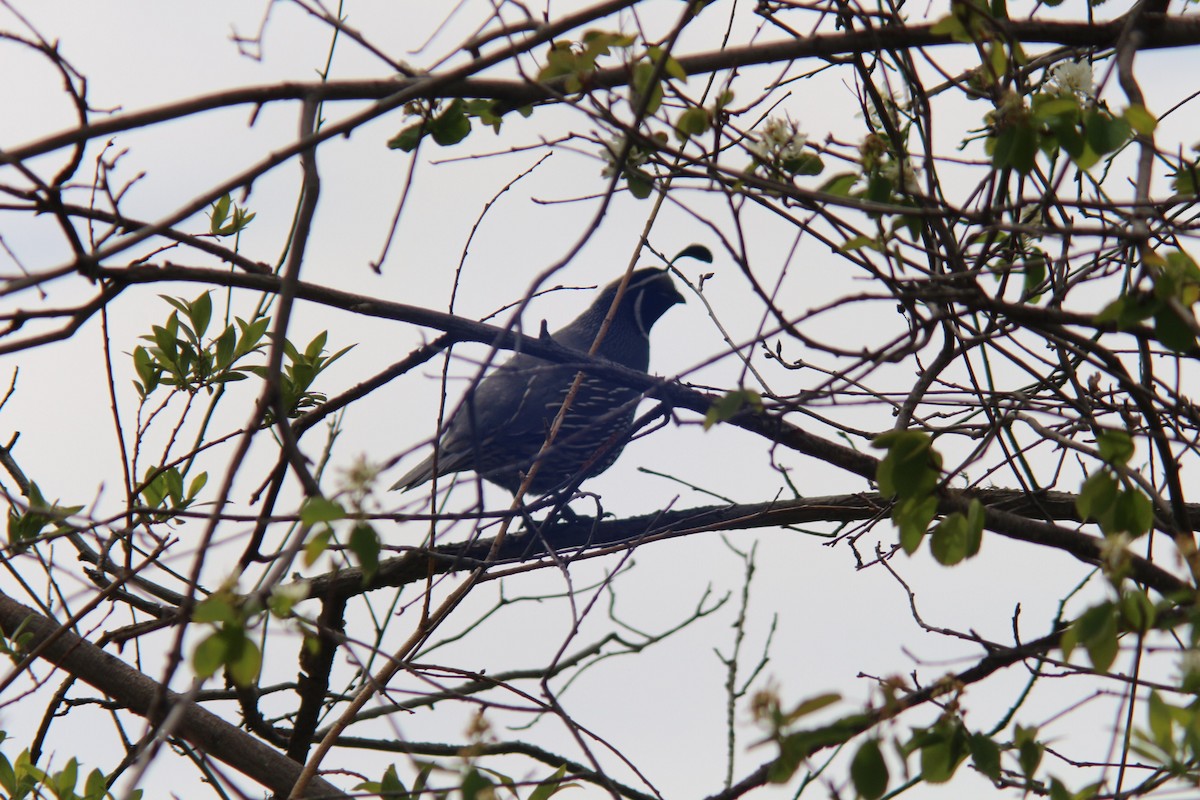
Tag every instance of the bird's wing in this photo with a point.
(507, 411)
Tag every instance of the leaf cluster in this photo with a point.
(911, 472)
(179, 356)
(21, 779)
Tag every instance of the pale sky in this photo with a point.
(835, 623)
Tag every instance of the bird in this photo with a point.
(502, 423)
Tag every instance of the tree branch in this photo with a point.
(1169, 31)
(138, 693)
(1004, 509)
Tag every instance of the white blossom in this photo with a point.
(779, 140)
(612, 151)
(1189, 661)
(359, 476)
(285, 596)
(1114, 552)
(891, 169)
(1072, 78)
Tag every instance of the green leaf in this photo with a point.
(1133, 512)
(1058, 791)
(1086, 158)
(879, 189)
(225, 347)
(216, 608)
(173, 480)
(316, 346)
(476, 785)
(645, 89)
(804, 164)
(1162, 730)
(912, 516)
(209, 655)
(1097, 630)
(285, 596)
(408, 138)
(391, 785)
(550, 786)
(246, 662)
(911, 466)
(1097, 496)
(164, 337)
(859, 242)
(1128, 310)
(1137, 610)
(1068, 642)
(290, 352)
(1029, 750)
(252, 334)
(320, 509)
(1186, 178)
(1140, 119)
(146, 370)
(1105, 133)
(940, 760)
(489, 112)
(66, 779)
(1115, 446)
(200, 313)
(365, 544)
(948, 540)
(1016, 147)
(451, 126)
(951, 25)
(8, 778)
(840, 185)
(1033, 274)
(241, 220)
(1173, 331)
(692, 122)
(994, 64)
(795, 747)
(28, 525)
(316, 545)
(95, 787)
(869, 771)
(727, 407)
(673, 69)
(219, 213)
(640, 184)
(1056, 110)
(812, 705)
(196, 485)
(975, 521)
(957, 536)
(985, 755)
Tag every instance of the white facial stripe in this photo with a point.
(637, 315)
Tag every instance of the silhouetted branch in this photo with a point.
(137, 692)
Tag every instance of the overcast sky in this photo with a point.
(835, 623)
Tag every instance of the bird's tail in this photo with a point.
(424, 472)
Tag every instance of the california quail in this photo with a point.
(501, 425)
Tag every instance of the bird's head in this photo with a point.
(647, 297)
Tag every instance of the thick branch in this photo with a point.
(1006, 517)
(1174, 31)
(137, 692)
